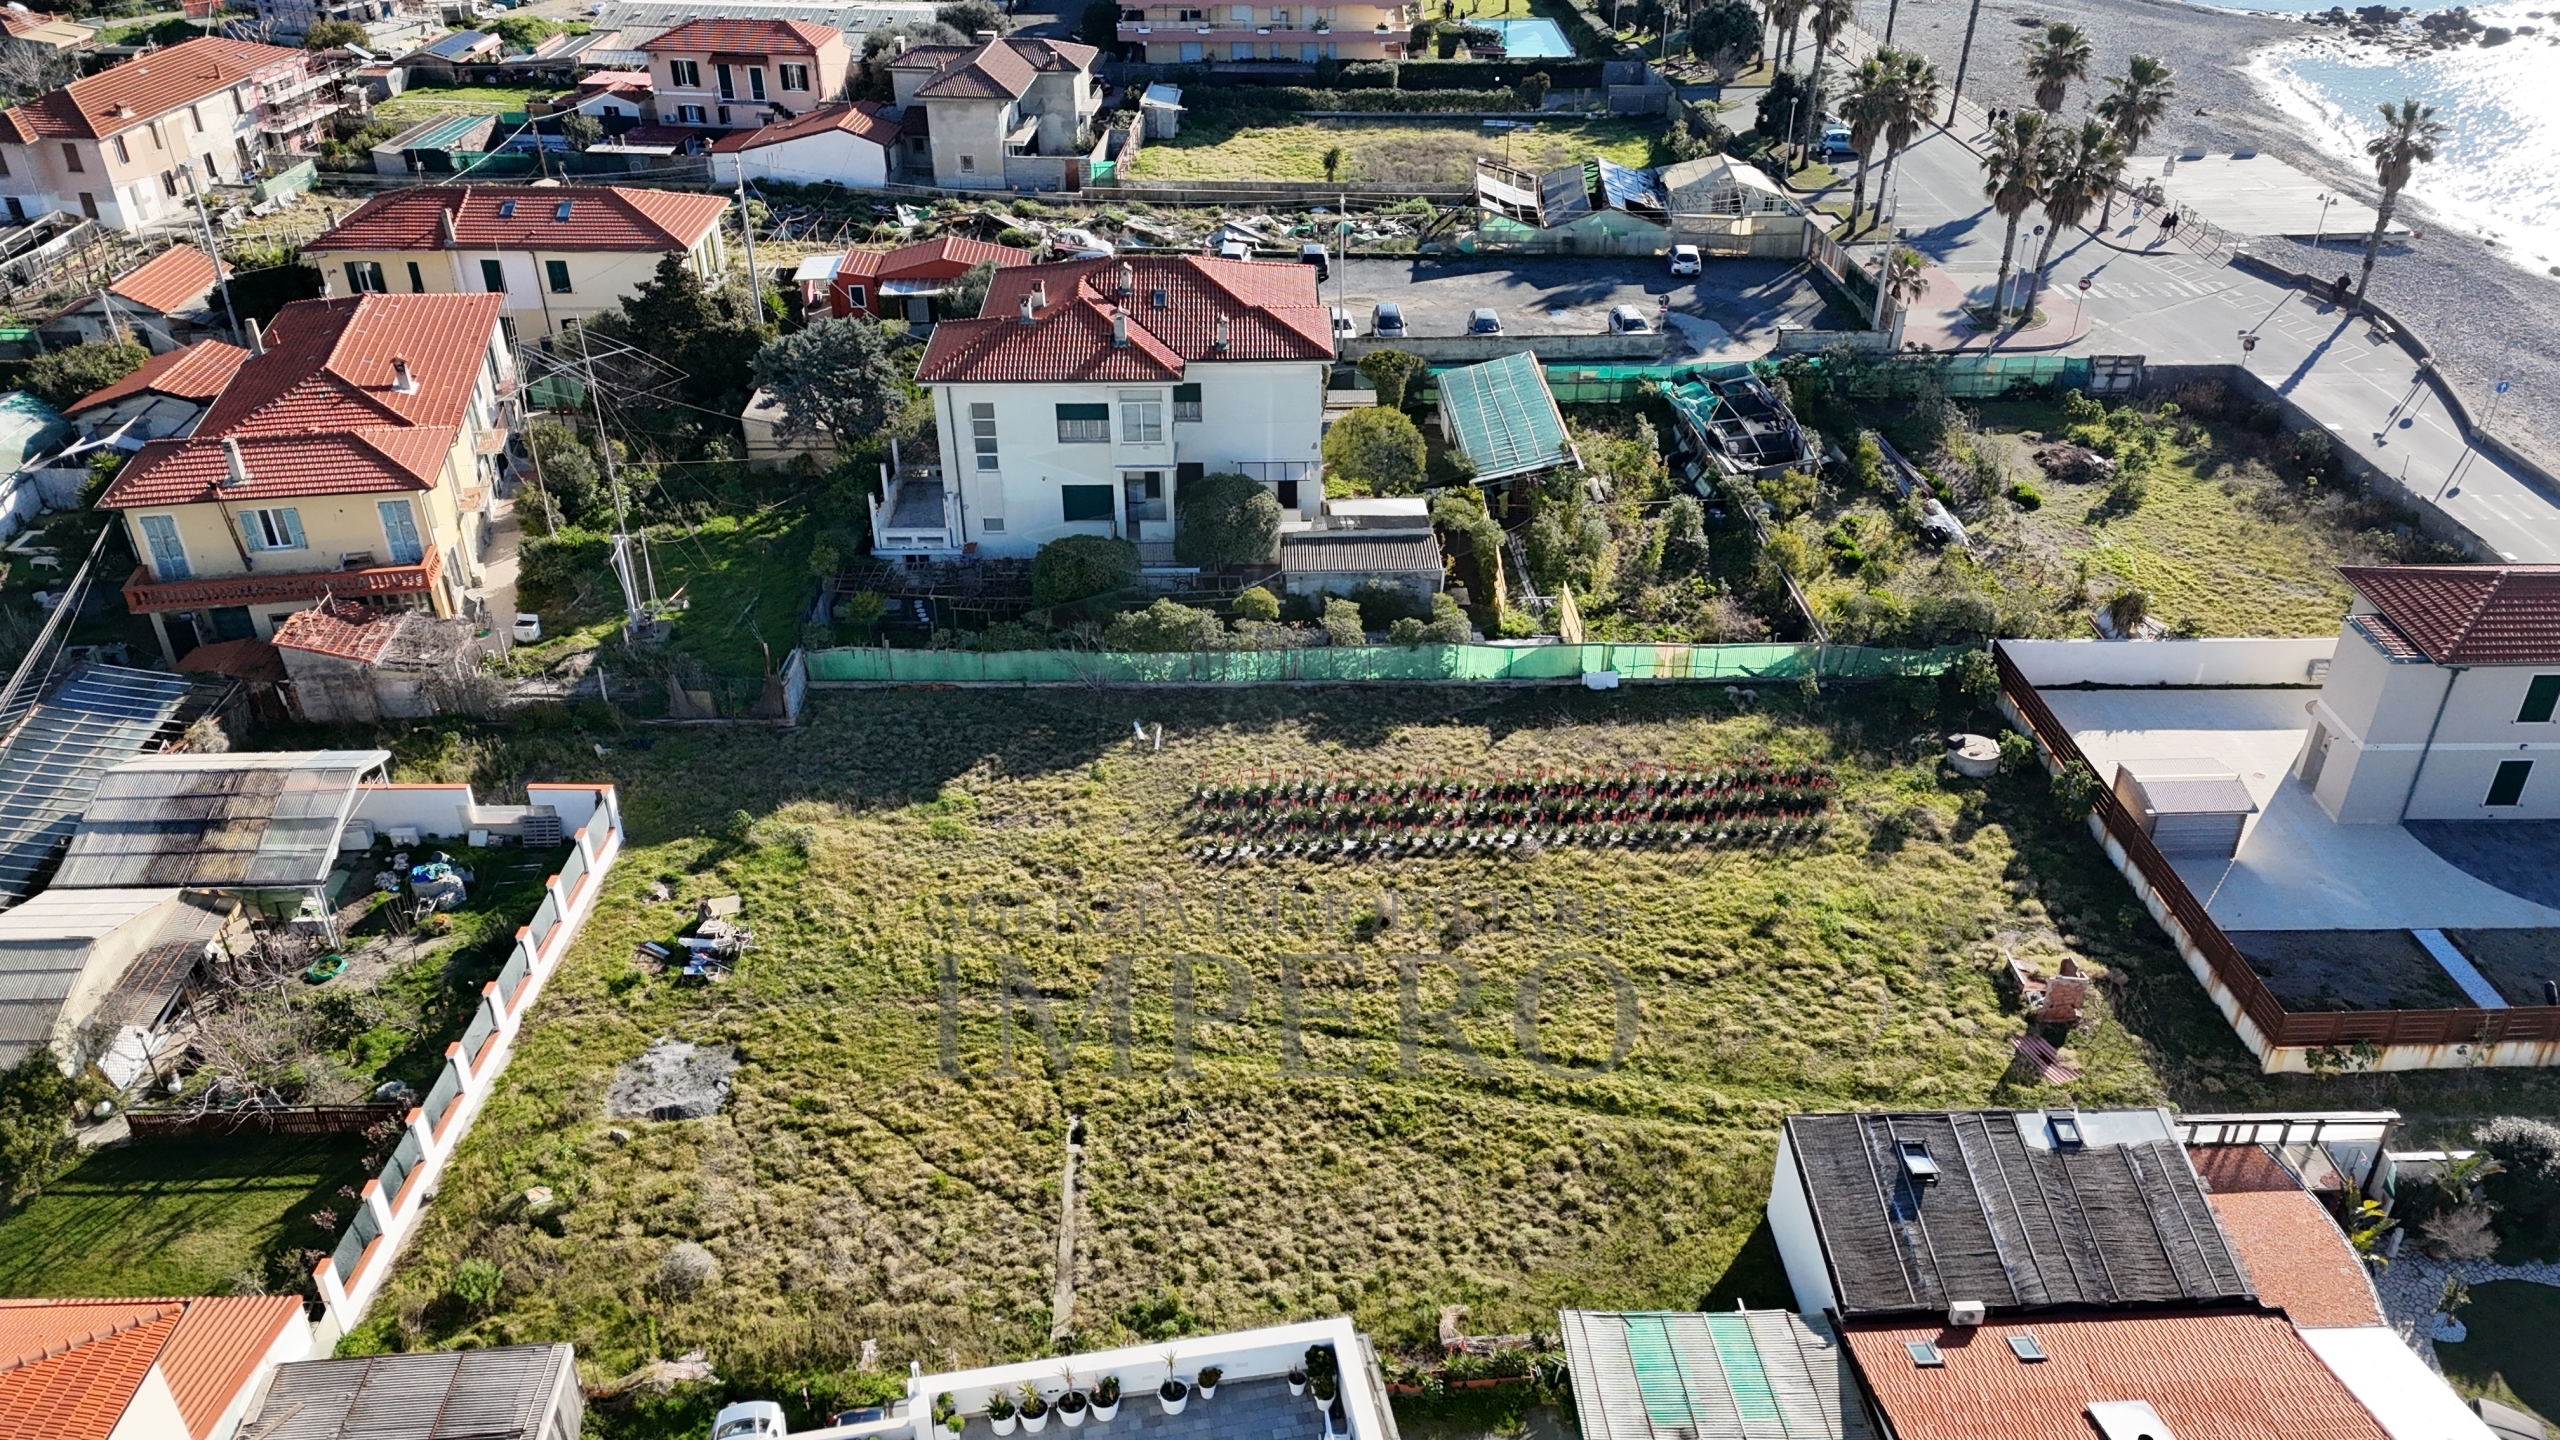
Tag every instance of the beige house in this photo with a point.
(559, 254)
(122, 145)
(2443, 700)
(351, 457)
(1190, 34)
(728, 74)
(1001, 114)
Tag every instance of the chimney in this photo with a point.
(986, 37)
(1128, 277)
(237, 467)
(257, 338)
(1119, 328)
(1029, 310)
(1040, 295)
(1221, 342)
(444, 222)
(123, 111)
(401, 379)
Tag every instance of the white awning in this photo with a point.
(818, 267)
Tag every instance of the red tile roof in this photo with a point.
(2468, 614)
(341, 628)
(317, 414)
(169, 280)
(2221, 1376)
(743, 37)
(19, 22)
(215, 1352)
(2299, 1259)
(1268, 311)
(2231, 1169)
(70, 1368)
(940, 252)
(151, 85)
(865, 118)
(601, 217)
(255, 661)
(196, 373)
(994, 69)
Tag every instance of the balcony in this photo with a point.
(919, 517)
(142, 594)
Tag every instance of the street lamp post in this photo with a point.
(2321, 231)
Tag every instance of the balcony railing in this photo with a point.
(142, 594)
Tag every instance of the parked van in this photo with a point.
(1315, 255)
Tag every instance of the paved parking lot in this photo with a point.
(1561, 296)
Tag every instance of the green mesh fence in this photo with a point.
(1372, 663)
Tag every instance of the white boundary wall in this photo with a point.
(2251, 662)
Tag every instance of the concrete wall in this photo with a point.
(835, 156)
(2170, 662)
(1551, 349)
(1799, 1243)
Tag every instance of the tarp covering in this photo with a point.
(1336, 664)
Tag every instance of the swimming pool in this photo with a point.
(1538, 39)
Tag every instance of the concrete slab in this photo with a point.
(2253, 194)
(2297, 869)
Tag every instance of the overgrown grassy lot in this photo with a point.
(181, 1217)
(744, 580)
(857, 1187)
(1244, 146)
(2508, 1354)
(427, 102)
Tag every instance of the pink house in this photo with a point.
(732, 74)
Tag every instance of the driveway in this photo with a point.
(1566, 296)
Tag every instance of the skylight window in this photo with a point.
(506, 209)
(2066, 1129)
(563, 212)
(1917, 1162)
(2024, 1346)
(1925, 1355)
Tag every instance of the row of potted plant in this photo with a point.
(1508, 816)
(1031, 1408)
(1258, 791)
(1774, 828)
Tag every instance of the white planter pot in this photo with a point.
(1297, 1387)
(1075, 1418)
(1003, 1426)
(1102, 1412)
(1034, 1424)
(1174, 1406)
(1207, 1392)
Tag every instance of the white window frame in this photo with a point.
(1141, 417)
(684, 75)
(689, 115)
(276, 527)
(795, 77)
(982, 435)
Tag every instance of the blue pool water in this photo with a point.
(1530, 39)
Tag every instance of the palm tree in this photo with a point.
(2410, 134)
(2054, 59)
(1787, 15)
(1964, 61)
(2084, 166)
(1866, 107)
(1903, 283)
(1914, 103)
(1830, 17)
(2012, 180)
(2141, 98)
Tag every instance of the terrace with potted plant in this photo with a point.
(1315, 1380)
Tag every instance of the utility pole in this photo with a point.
(212, 249)
(747, 226)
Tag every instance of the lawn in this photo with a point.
(1324, 1152)
(743, 579)
(1414, 152)
(427, 102)
(2508, 1356)
(180, 1217)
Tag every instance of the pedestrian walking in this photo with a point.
(2339, 289)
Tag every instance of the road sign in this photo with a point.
(2248, 343)
(2502, 387)
(2084, 282)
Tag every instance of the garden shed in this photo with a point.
(2187, 807)
(1337, 562)
(1503, 417)
(123, 958)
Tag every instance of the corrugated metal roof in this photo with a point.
(97, 719)
(505, 1393)
(2190, 787)
(2014, 1219)
(225, 821)
(1739, 1375)
(1360, 552)
(1504, 417)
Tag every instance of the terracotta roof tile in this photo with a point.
(2299, 1259)
(169, 280)
(151, 85)
(2232, 1169)
(526, 217)
(214, 1353)
(866, 118)
(2469, 614)
(2215, 1376)
(73, 1367)
(992, 71)
(196, 373)
(1270, 312)
(743, 37)
(251, 660)
(318, 413)
(342, 628)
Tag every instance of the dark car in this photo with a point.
(1387, 321)
(1484, 322)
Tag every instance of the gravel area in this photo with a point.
(2411, 1285)
(2482, 316)
(672, 1080)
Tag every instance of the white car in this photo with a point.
(528, 627)
(749, 1420)
(1628, 320)
(1234, 250)
(1684, 260)
(1344, 327)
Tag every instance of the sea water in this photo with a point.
(2497, 170)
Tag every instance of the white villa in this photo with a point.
(1087, 393)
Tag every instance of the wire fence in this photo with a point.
(1376, 664)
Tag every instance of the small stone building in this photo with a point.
(349, 662)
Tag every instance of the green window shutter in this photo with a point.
(559, 275)
(417, 281)
(1084, 412)
(2508, 788)
(493, 277)
(249, 529)
(1086, 502)
(291, 520)
(2541, 698)
(1183, 393)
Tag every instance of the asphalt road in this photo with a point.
(1565, 296)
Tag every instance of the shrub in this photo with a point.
(1447, 626)
(1226, 519)
(1473, 541)
(2526, 1189)
(476, 1283)
(35, 1140)
(2314, 452)
(1684, 538)
(2026, 496)
(1376, 449)
(1972, 682)
(1790, 493)
(2128, 493)
(1383, 602)
(2017, 752)
(1164, 627)
(686, 1269)
(61, 378)
(1257, 603)
(1079, 567)
(2075, 792)
(2127, 611)
(1342, 625)
(1866, 462)
(1393, 373)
